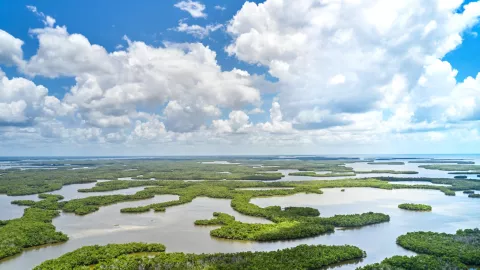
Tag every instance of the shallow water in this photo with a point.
(176, 230)
(364, 166)
(69, 192)
(413, 183)
(448, 215)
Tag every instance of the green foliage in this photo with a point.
(298, 258)
(314, 174)
(451, 167)
(91, 204)
(464, 245)
(301, 211)
(33, 229)
(356, 220)
(270, 232)
(476, 196)
(420, 262)
(415, 207)
(387, 163)
(23, 202)
(456, 184)
(220, 219)
(460, 177)
(90, 255)
(436, 161)
(469, 192)
(386, 171)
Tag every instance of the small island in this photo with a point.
(415, 207)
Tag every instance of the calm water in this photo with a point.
(10, 211)
(364, 166)
(175, 228)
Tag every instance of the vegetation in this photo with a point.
(50, 202)
(33, 229)
(90, 255)
(352, 173)
(420, 262)
(464, 245)
(469, 192)
(464, 172)
(460, 177)
(455, 184)
(451, 167)
(110, 257)
(443, 161)
(314, 174)
(387, 163)
(474, 196)
(386, 171)
(415, 207)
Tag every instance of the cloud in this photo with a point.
(276, 124)
(185, 78)
(222, 8)
(11, 52)
(346, 75)
(196, 9)
(256, 111)
(339, 63)
(23, 103)
(197, 30)
(47, 20)
(238, 121)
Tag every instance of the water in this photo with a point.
(69, 192)
(364, 166)
(424, 183)
(448, 215)
(176, 230)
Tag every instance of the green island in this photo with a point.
(34, 228)
(314, 174)
(415, 207)
(476, 196)
(386, 171)
(443, 161)
(460, 177)
(353, 173)
(291, 223)
(451, 167)
(133, 256)
(419, 262)
(387, 163)
(464, 245)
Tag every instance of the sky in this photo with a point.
(216, 77)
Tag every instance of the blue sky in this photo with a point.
(274, 76)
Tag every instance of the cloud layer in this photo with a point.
(348, 72)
